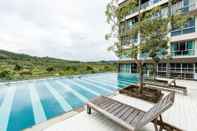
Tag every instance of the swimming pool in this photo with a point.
(27, 103)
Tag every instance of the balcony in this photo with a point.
(189, 7)
(183, 53)
(183, 31)
(145, 5)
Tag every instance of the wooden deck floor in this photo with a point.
(183, 114)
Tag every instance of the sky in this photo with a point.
(68, 29)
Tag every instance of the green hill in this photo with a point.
(14, 66)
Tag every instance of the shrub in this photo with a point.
(18, 67)
(107, 68)
(89, 68)
(25, 72)
(50, 69)
(6, 75)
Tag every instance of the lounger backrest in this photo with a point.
(156, 110)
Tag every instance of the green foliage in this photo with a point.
(89, 68)
(5, 75)
(50, 69)
(17, 67)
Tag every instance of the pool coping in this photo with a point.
(44, 125)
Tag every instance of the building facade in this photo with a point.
(182, 46)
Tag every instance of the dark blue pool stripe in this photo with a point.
(99, 90)
(78, 89)
(68, 96)
(21, 116)
(51, 107)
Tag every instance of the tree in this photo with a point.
(152, 29)
(50, 69)
(89, 68)
(18, 67)
(6, 75)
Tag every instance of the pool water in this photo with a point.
(25, 104)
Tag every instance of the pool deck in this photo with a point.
(183, 114)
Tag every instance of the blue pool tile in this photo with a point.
(68, 96)
(81, 91)
(6, 107)
(104, 85)
(41, 100)
(22, 113)
(38, 110)
(112, 82)
(98, 88)
(51, 107)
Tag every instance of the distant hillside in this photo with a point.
(14, 66)
(16, 56)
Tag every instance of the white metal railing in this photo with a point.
(182, 31)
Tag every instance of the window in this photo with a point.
(189, 27)
(133, 68)
(161, 67)
(187, 68)
(185, 48)
(131, 22)
(126, 68)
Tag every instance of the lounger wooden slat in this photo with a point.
(115, 106)
(126, 114)
(137, 119)
(122, 111)
(115, 112)
(133, 118)
(106, 105)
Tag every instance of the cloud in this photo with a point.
(69, 29)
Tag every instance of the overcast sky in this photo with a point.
(69, 29)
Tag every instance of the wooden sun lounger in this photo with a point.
(130, 117)
(164, 85)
